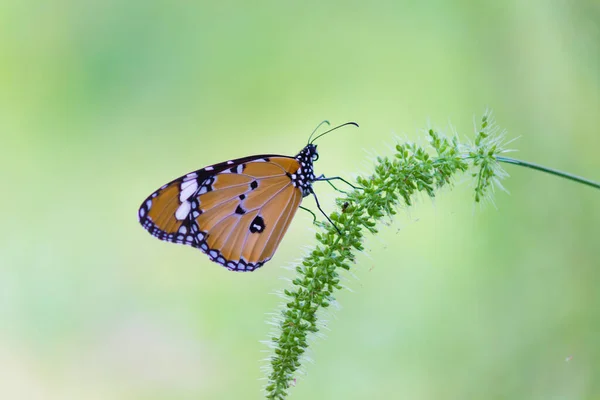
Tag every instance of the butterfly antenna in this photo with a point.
(317, 128)
(332, 129)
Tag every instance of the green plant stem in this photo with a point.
(551, 171)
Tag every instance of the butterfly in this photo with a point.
(237, 211)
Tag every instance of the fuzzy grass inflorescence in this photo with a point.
(394, 182)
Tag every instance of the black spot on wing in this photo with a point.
(257, 225)
(239, 210)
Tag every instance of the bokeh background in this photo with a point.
(101, 102)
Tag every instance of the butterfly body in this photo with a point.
(304, 175)
(236, 212)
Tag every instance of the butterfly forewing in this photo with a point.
(236, 212)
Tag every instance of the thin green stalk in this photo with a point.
(551, 171)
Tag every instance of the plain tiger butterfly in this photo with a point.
(237, 211)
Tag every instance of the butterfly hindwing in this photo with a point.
(236, 212)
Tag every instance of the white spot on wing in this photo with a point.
(208, 168)
(187, 183)
(183, 210)
(187, 190)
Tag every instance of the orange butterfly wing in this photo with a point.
(236, 212)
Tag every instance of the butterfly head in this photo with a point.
(308, 154)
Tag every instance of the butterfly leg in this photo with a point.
(311, 213)
(335, 188)
(323, 212)
(333, 178)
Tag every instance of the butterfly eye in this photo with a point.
(315, 157)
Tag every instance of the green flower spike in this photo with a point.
(394, 182)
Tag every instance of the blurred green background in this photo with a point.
(103, 102)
